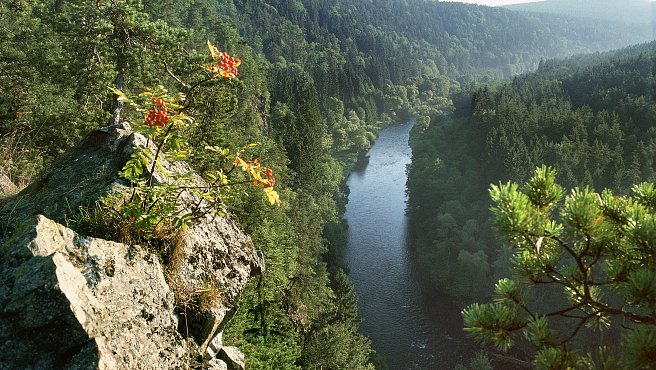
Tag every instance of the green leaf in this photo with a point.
(542, 189)
(640, 345)
(538, 333)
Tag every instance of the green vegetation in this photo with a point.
(592, 256)
(57, 64)
(318, 79)
(591, 118)
(637, 13)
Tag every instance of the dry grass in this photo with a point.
(18, 161)
(107, 222)
(197, 299)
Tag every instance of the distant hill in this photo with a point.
(625, 11)
(453, 38)
(591, 117)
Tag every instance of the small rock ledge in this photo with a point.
(75, 302)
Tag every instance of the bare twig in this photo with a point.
(176, 78)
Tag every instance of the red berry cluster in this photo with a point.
(229, 64)
(158, 116)
(224, 64)
(226, 67)
(271, 180)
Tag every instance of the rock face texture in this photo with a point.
(75, 302)
(78, 178)
(71, 301)
(6, 185)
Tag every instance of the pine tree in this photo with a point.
(346, 302)
(598, 250)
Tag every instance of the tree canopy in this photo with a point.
(593, 254)
(318, 79)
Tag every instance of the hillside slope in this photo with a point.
(625, 11)
(317, 79)
(591, 117)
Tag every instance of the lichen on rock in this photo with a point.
(6, 185)
(69, 300)
(72, 300)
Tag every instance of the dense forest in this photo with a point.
(637, 13)
(318, 79)
(590, 117)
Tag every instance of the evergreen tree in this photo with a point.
(337, 346)
(598, 250)
(297, 122)
(345, 301)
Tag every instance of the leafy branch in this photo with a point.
(154, 201)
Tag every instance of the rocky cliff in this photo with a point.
(6, 185)
(71, 301)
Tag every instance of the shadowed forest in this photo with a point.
(496, 92)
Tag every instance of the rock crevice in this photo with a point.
(72, 301)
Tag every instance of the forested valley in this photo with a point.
(590, 117)
(318, 79)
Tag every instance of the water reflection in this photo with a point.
(411, 325)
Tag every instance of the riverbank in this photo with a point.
(410, 325)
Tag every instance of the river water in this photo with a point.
(410, 325)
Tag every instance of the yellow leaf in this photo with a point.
(272, 196)
(213, 50)
(597, 220)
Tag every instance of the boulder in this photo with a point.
(71, 301)
(6, 185)
(233, 358)
(230, 356)
(215, 254)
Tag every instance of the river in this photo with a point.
(410, 325)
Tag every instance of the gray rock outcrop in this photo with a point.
(78, 302)
(68, 301)
(6, 185)
(232, 357)
(78, 178)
